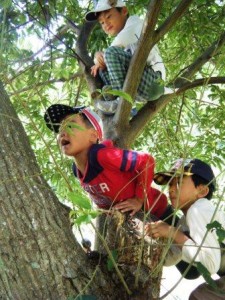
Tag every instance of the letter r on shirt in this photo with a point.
(104, 187)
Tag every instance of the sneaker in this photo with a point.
(107, 96)
(133, 112)
(107, 107)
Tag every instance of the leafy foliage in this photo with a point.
(39, 67)
(110, 264)
(207, 276)
(220, 231)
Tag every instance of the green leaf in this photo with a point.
(219, 230)
(79, 200)
(207, 276)
(94, 213)
(110, 264)
(87, 218)
(221, 235)
(120, 94)
(6, 3)
(68, 126)
(214, 225)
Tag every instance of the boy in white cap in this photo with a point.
(112, 176)
(191, 185)
(113, 63)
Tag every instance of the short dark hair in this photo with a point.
(119, 9)
(198, 180)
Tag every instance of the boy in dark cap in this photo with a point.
(191, 185)
(113, 63)
(112, 176)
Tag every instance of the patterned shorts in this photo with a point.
(117, 62)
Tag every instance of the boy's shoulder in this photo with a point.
(201, 203)
(203, 208)
(133, 21)
(94, 166)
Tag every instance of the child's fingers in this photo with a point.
(94, 70)
(151, 229)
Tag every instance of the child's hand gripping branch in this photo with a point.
(133, 205)
(99, 63)
(161, 229)
(157, 229)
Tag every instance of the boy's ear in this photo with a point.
(93, 135)
(124, 11)
(203, 190)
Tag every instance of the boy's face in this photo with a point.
(75, 137)
(183, 192)
(112, 20)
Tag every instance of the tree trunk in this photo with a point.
(40, 258)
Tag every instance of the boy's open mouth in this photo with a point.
(64, 142)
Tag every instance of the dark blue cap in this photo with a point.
(187, 167)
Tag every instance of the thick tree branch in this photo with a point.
(84, 59)
(150, 109)
(200, 61)
(146, 114)
(200, 82)
(81, 45)
(148, 38)
(172, 19)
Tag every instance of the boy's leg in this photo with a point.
(104, 74)
(150, 88)
(117, 62)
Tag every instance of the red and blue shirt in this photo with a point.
(113, 175)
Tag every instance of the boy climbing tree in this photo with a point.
(113, 63)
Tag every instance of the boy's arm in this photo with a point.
(143, 164)
(99, 63)
(131, 204)
(131, 161)
(207, 252)
(161, 229)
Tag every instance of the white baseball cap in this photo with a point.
(101, 6)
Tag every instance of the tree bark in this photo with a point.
(40, 258)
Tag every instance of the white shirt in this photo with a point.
(128, 38)
(198, 216)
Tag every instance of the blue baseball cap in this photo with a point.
(187, 167)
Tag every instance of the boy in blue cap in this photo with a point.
(191, 186)
(113, 63)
